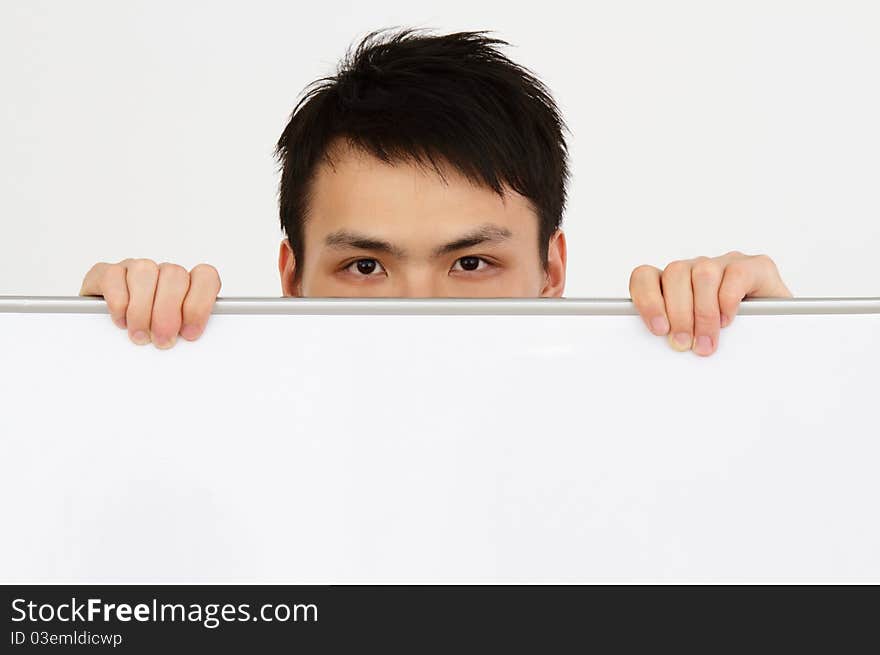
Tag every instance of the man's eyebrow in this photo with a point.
(482, 234)
(348, 239)
(475, 237)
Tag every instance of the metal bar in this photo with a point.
(443, 306)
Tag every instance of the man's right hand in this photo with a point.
(155, 302)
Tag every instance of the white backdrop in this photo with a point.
(146, 129)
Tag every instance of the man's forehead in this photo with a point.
(361, 193)
(342, 153)
(349, 164)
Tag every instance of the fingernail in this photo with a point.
(190, 332)
(681, 341)
(166, 343)
(141, 338)
(703, 345)
(724, 320)
(659, 325)
(121, 323)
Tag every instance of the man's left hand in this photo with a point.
(692, 299)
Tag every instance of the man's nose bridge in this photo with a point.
(419, 283)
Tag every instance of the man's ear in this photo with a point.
(287, 269)
(554, 283)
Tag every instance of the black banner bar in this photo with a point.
(312, 619)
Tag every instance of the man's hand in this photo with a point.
(692, 299)
(155, 301)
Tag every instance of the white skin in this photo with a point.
(399, 230)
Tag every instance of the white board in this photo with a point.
(343, 444)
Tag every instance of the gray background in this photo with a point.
(146, 129)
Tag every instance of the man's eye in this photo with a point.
(470, 264)
(365, 267)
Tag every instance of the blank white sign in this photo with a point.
(440, 448)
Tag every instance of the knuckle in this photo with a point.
(171, 266)
(143, 267)
(639, 273)
(643, 269)
(707, 270)
(765, 260)
(704, 316)
(735, 253)
(676, 268)
(679, 316)
(174, 271)
(207, 275)
(205, 269)
(738, 269)
(113, 274)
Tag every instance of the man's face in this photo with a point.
(382, 230)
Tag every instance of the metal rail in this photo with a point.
(443, 306)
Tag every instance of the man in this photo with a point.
(429, 166)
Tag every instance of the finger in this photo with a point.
(91, 285)
(675, 282)
(706, 275)
(108, 280)
(115, 291)
(171, 289)
(203, 289)
(644, 289)
(738, 278)
(141, 277)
